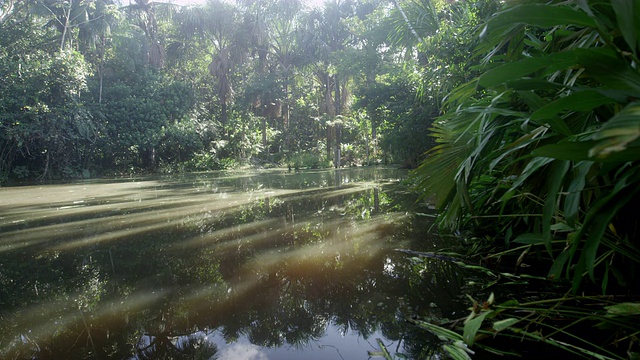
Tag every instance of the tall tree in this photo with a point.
(217, 26)
(327, 36)
(283, 40)
(96, 34)
(145, 15)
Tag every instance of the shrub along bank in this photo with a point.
(540, 155)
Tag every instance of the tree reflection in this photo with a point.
(275, 269)
(163, 346)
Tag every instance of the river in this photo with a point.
(256, 265)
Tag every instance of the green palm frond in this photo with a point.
(549, 126)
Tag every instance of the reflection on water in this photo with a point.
(247, 265)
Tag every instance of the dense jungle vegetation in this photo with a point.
(528, 112)
(102, 87)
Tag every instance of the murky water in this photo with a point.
(245, 265)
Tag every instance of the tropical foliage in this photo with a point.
(532, 106)
(540, 151)
(94, 87)
(547, 144)
(162, 87)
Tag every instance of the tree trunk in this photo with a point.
(101, 67)
(223, 114)
(46, 167)
(338, 154)
(367, 144)
(374, 139)
(285, 115)
(264, 134)
(338, 125)
(329, 130)
(67, 15)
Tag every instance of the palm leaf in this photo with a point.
(540, 15)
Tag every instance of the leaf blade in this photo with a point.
(472, 326)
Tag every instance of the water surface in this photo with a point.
(225, 265)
